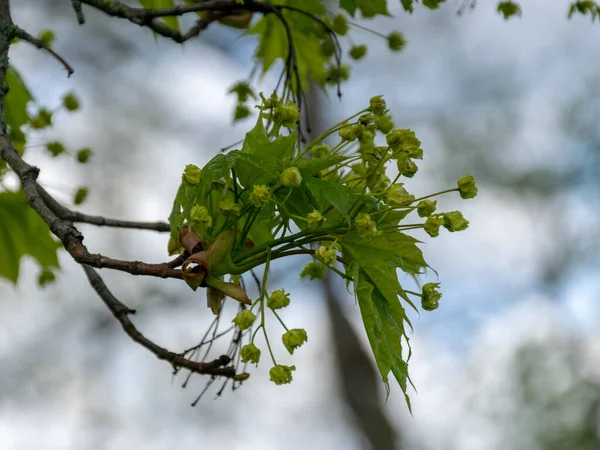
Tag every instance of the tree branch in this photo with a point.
(75, 216)
(25, 36)
(121, 312)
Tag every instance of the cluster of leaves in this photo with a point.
(22, 231)
(276, 198)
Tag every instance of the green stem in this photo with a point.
(437, 193)
(280, 321)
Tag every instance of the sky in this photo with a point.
(467, 85)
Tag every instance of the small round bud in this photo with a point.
(229, 208)
(377, 105)
(80, 195)
(385, 124)
(358, 52)
(314, 219)
(407, 167)
(244, 319)
(47, 37)
(340, 25)
(365, 225)
(260, 195)
(426, 207)
(70, 102)
(287, 114)
(466, 187)
(199, 215)
(278, 299)
(250, 353)
(396, 41)
(83, 155)
(405, 143)
(337, 74)
(320, 151)
(327, 254)
(43, 119)
(293, 339)
(433, 224)
(350, 132)
(454, 221)
(397, 195)
(291, 177)
(192, 173)
(55, 148)
(313, 270)
(430, 297)
(281, 374)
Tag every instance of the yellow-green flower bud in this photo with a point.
(425, 208)
(397, 195)
(281, 374)
(192, 173)
(260, 195)
(250, 353)
(466, 187)
(337, 74)
(454, 221)
(327, 254)
(320, 151)
(47, 37)
(430, 299)
(407, 166)
(327, 48)
(365, 225)
(229, 208)
(80, 195)
(349, 133)
(385, 124)
(199, 215)
(244, 319)
(293, 339)
(405, 143)
(291, 177)
(358, 52)
(340, 25)
(433, 224)
(313, 270)
(287, 114)
(70, 102)
(278, 299)
(396, 41)
(314, 219)
(55, 148)
(84, 154)
(377, 105)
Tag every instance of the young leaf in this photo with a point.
(16, 101)
(327, 193)
(170, 21)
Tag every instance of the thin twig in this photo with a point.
(25, 36)
(121, 312)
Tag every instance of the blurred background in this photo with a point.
(510, 360)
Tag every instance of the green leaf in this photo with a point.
(16, 101)
(383, 321)
(327, 193)
(170, 21)
(257, 142)
(23, 232)
(509, 9)
(392, 250)
(368, 8)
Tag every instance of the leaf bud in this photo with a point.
(260, 195)
(454, 221)
(340, 25)
(426, 207)
(278, 299)
(466, 187)
(327, 254)
(70, 102)
(250, 353)
(47, 37)
(377, 105)
(281, 374)
(397, 196)
(433, 224)
(430, 296)
(83, 155)
(244, 319)
(199, 215)
(80, 195)
(313, 270)
(192, 173)
(291, 177)
(396, 41)
(358, 52)
(293, 339)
